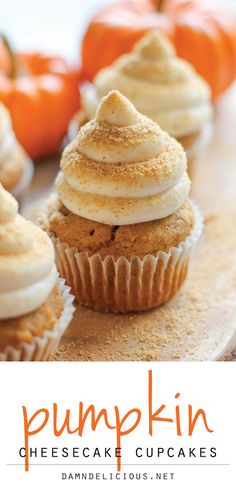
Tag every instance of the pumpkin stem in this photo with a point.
(160, 5)
(12, 57)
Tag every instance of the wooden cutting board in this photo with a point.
(200, 322)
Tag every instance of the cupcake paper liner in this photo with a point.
(25, 180)
(43, 348)
(124, 285)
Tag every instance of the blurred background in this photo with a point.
(57, 25)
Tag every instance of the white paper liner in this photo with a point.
(124, 285)
(25, 180)
(43, 348)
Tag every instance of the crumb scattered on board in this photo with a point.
(190, 327)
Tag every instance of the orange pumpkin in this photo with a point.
(41, 93)
(203, 35)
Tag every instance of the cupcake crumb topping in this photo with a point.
(116, 110)
(122, 168)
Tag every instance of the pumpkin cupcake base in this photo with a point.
(40, 341)
(121, 284)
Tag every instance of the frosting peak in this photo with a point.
(122, 174)
(117, 110)
(155, 46)
(27, 268)
(159, 84)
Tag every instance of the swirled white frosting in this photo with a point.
(160, 85)
(122, 168)
(7, 139)
(27, 268)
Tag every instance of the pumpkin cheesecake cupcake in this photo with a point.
(16, 168)
(163, 87)
(35, 306)
(121, 221)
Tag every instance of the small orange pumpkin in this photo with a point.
(203, 35)
(41, 93)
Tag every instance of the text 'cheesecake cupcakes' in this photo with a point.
(122, 224)
(163, 87)
(35, 306)
(16, 168)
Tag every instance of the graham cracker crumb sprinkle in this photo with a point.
(176, 330)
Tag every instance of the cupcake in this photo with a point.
(16, 168)
(165, 88)
(121, 221)
(35, 306)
